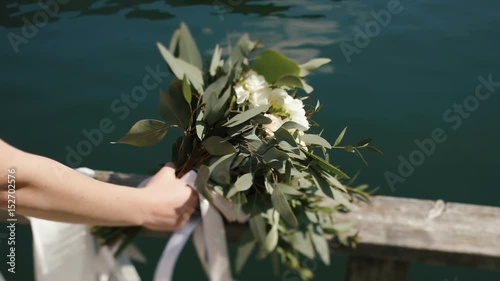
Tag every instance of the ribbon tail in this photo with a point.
(165, 268)
(215, 242)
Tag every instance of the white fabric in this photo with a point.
(62, 251)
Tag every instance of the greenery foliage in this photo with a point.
(280, 177)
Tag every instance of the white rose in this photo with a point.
(251, 84)
(295, 108)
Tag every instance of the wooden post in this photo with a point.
(375, 269)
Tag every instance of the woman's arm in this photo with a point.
(49, 190)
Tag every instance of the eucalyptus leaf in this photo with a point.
(246, 115)
(186, 90)
(216, 107)
(288, 189)
(364, 142)
(315, 139)
(188, 51)
(202, 180)
(242, 183)
(271, 240)
(301, 241)
(275, 158)
(339, 197)
(181, 68)
(325, 165)
(289, 125)
(214, 64)
(244, 251)
(280, 203)
(322, 183)
(216, 145)
(290, 81)
(200, 126)
(174, 42)
(147, 132)
(258, 227)
(173, 107)
(340, 137)
(215, 88)
(272, 65)
(220, 170)
(321, 247)
(308, 67)
(374, 149)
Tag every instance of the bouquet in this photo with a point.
(246, 131)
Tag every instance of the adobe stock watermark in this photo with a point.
(454, 117)
(50, 8)
(362, 38)
(224, 6)
(121, 108)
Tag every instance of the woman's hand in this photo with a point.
(168, 201)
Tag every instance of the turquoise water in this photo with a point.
(397, 85)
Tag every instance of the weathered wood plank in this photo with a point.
(402, 229)
(428, 231)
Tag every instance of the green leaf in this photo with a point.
(181, 68)
(360, 155)
(364, 142)
(289, 125)
(214, 64)
(216, 145)
(321, 246)
(243, 47)
(221, 168)
(272, 65)
(200, 126)
(186, 90)
(173, 107)
(202, 181)
(271, 240)
(242, 183)
(374, 149)
(340, 137)
(301, 241)
(216, 107)
(246, 115)
(280, 203)
(188, 51)
(325, 165)
(174, 42)
(290, 81)
(244, 251)
(339, 197)
(215, 88)
(145, 132)
(322, 183)
(275, 158)
(258, 227)
(308, 67)
(315, 139)
(334, 182)
(288, 189)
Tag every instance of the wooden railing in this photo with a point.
(397, 231)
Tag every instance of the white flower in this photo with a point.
(295, 109)
(275, 124)
(285, 104)
(251, 85)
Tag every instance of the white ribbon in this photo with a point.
(209, 240)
